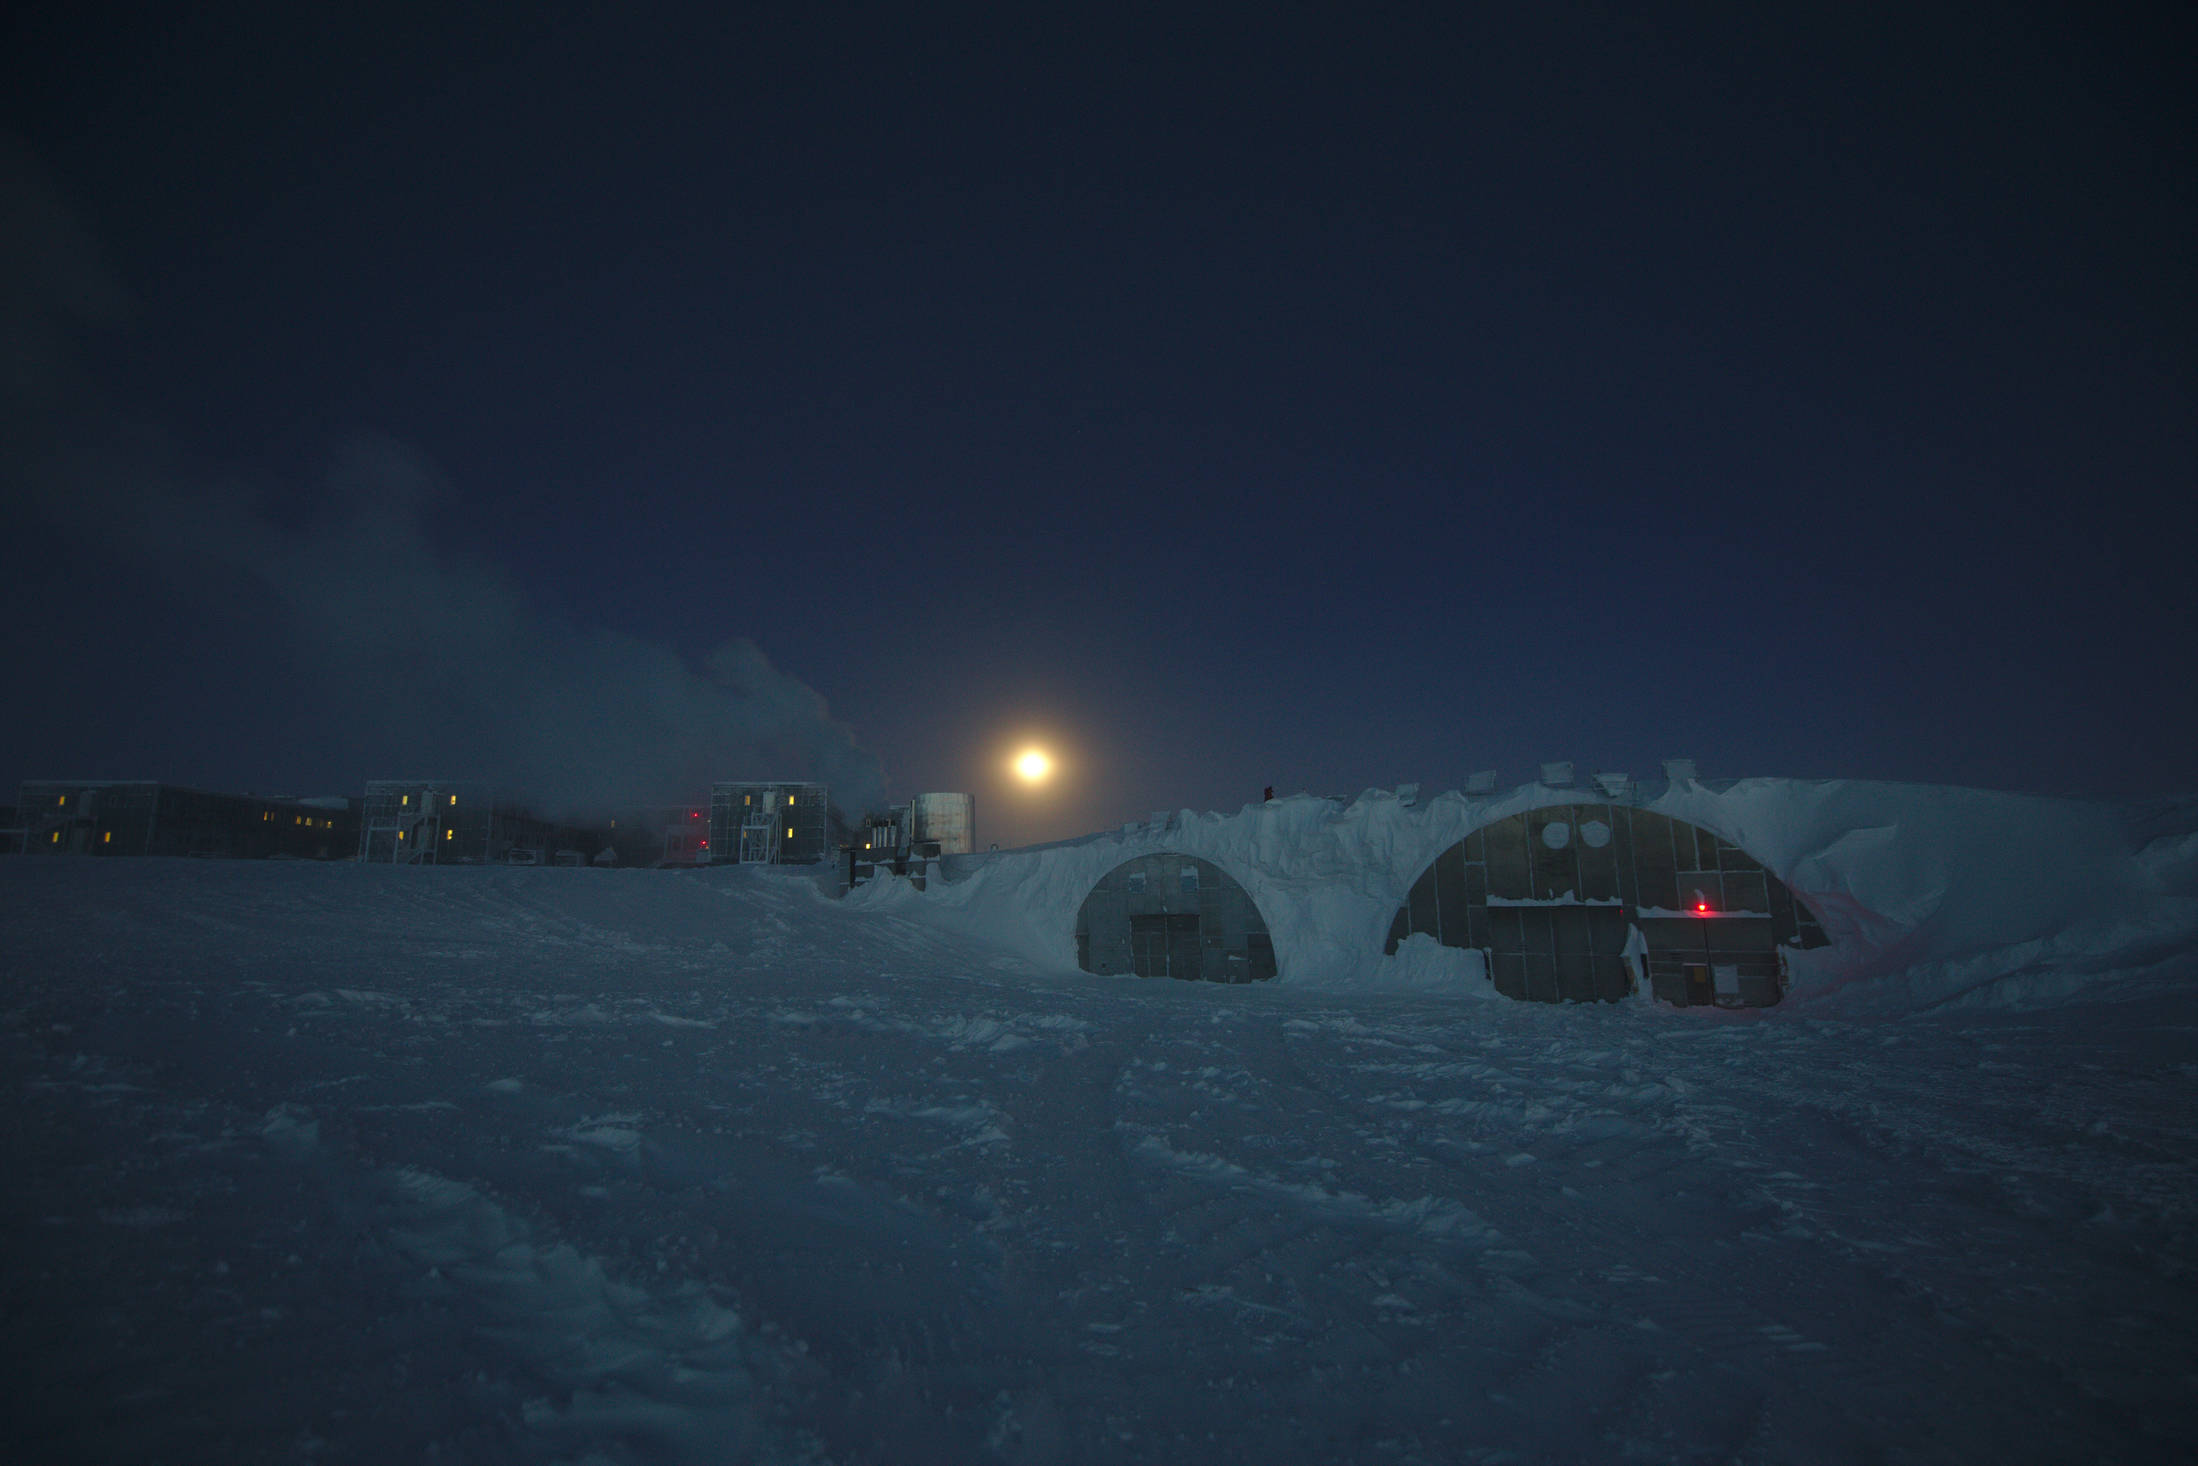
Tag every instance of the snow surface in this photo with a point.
(356, 1163)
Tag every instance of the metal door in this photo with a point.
(1699, 991)
(1165, 946)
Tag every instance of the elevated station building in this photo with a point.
(148, 817)
(774, 822)
(464, 822)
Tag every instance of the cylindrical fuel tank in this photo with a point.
(949, 819)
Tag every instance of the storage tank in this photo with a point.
(950, 820)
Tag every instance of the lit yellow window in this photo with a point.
(866, 844)
(56, 837)
(789, 832)
(400, 834)
(453, 799)
(747, 799)
(107, 838)
(297, 819)
(789, 799)
(64, 799)
(448, 833)
(406, 800)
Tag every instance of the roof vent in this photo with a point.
(1483, 782)
(1557, 776)
(1614, 786)
(1680, 770)
(1408, 794)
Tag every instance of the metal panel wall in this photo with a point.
(777, 822)
(1212, 923)
(948, 820)
(88, 816)
(144, 817)
(1552, 895)
(428, 822)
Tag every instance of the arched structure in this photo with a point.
(1578, 902)
(1173, 915)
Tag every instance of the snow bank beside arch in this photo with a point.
(1929, 893)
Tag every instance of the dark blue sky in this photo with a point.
(1268, 396)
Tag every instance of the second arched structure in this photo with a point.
(1555, 898)
(1171, 915)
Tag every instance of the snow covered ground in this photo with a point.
(354, 1163)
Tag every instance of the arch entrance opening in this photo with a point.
(1583, 902)
(1171, 915)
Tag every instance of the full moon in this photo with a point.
(1032, 766)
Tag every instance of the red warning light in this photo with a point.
(1701, 906)
(694, 814)
(705, 844)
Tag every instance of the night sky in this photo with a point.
(1223, 397)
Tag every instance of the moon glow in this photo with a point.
(1032, 766)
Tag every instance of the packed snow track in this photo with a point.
(374, 1164)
